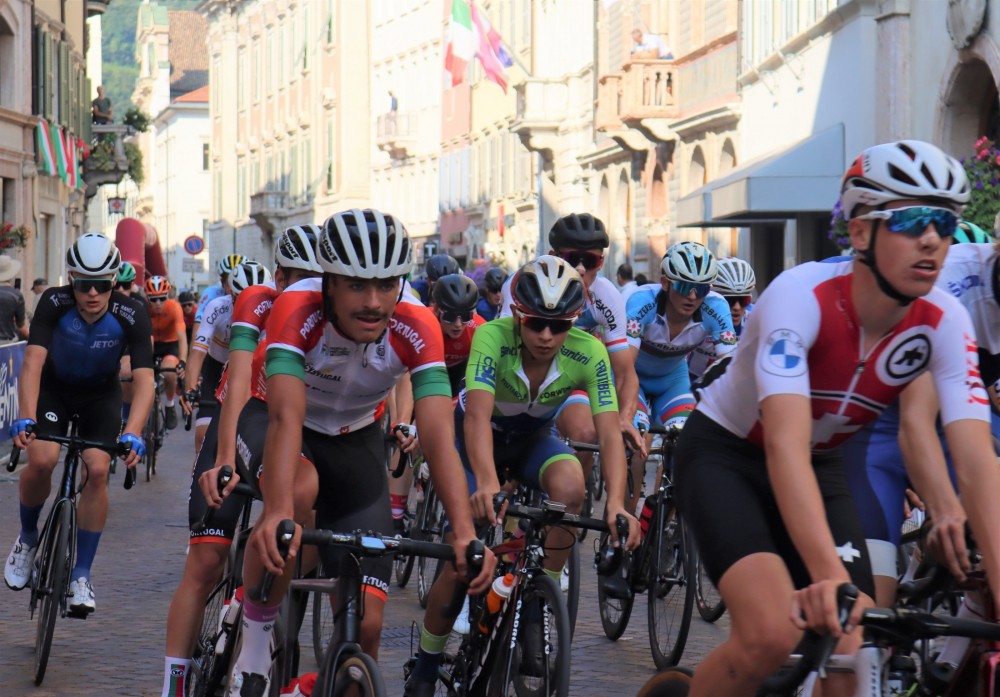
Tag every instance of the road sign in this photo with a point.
(194, 245)
(192, 265)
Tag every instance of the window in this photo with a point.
(241, 75)
(330, 182)
(255, 71)
(329, 21)
(305, 38)
(270, 61)
(216, 84)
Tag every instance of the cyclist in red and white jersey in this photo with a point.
(831, 344)
(454, 301)
(335, 348)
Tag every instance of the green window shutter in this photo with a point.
(64, 109)
(85, 131)
(39, 70)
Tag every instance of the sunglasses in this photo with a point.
(122, 286)
(587, 260)
(914, 220)
(187, 306)
(539, 324)
(685, 287)
(743, 300)
(449, 316)
(85, 285)
(158, 298)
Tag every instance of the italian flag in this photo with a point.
(461, 42)
(58, 151)
(46, 161)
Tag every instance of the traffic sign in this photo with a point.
(192, 265)
(194, 245)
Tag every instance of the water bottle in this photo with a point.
(646, 516)
(499, 591)
(230, 609)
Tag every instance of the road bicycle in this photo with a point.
(50, 576)
(155, 430)
(662, 566)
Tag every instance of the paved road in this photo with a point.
(119, 650)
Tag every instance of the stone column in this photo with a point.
(892, 95)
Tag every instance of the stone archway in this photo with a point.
(971, 107)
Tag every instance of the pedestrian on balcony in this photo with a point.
(101, 108)
(12, 324)
(393, 108)
(650, 46)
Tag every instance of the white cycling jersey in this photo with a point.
(213, 332)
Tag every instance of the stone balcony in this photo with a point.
(608, 110)
(541, 110)
(397, 134)
(648, 98)
(267, 208)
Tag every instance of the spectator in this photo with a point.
(393, 108)
(641, 280)
(12, 325)
(650, 46)
(38, 287)
(625, 280)
(101, 108)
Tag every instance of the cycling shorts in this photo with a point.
(162, 349)
(99, 410)
(211, 376)
(224, 521)
(353, 484)
(725, 496)
(668, 397)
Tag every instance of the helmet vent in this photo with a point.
(899, 175)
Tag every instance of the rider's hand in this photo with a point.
(482, 500)
(815, 607)
(209, 484)
(189, 399)
(611, 517)
(263, 539)
(137, 449)
(406, 436)
(180, 369)
(946, 542)
(634, 440)
(481, 583)
(19, 432)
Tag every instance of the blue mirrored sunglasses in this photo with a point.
(685, 287)
(914, 220)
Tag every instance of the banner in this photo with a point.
(46, 160)
(11, 358)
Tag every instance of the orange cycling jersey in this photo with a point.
(167, 322)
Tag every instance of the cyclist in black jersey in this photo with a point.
(79, 333)
(125, 284)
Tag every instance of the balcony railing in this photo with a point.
(267, 207)
(648, 90)
(397, 134)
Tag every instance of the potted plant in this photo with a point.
(983, 170)
(13, 237)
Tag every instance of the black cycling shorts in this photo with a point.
(222, 527)
(162, 349)
(99, 410)
(353, 484)
(724, 493)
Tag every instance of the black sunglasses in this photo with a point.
(123, 286)
(85, 285)
(588, 260)
(539, 324)
(743, 300)
(449, 316)
(158, 298)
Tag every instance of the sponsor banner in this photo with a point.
(11, 358)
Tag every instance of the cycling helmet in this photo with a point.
(93, 254)
(364, 244)
(455, 292)
(495, 279)
(578, 231)
(230, 262)
(901, 170)
(441, 265)
(157, 285)
(689, 261)
(548, 287)
(296, 248)
(247, 274)
(970, 232)
(186, 296)
(735, 277)
(126, 273)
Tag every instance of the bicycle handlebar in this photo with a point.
(116, 449)
(404, 458)
(224, 477)
(552, 513)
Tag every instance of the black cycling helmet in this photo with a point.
(548, 287)
(186, 297)
(456, 293)
(441, 265)
(578, 231)
(494, 280)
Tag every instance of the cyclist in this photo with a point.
(335, 347)
(124, 284)
(189, 303)
(78, 335)
(125, 278)
(225, 268)
(454, 301)
(521, 369)
(437, 266)
(735, 282)
(757, 467)
(489, 305)
(169, 338)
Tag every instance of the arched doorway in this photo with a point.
(972, 108)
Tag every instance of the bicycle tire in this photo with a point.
(598, 476)
(358, 671)
(615, 612)
(671, 587)
(52, 583)
(707, 598)
(428, 527)
(205, 675)
(151, 450)
(403, 564)
(670, 682)
(574, 570)
(506, 676)
(322, 624)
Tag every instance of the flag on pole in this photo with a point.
(461, 42)
(492, 37)
(46, 160)
(493, 66)
(71, 164)
(58, 151)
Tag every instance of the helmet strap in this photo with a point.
(867, 257)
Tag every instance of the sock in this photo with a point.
(86, 550)
(126, 410)
(398, 504)
(255, 657)
(429, 655)
(29, 524)
(554, 575)
(174, 674)
(956, 646)
(170, 400)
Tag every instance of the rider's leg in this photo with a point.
(35, 485)
(577, 423)
(561, 479)
(169, 379)
(91, 511)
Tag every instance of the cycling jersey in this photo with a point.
(250, 312)
(167, 322)
(347, 381)
(214, 329)
(210, 294)
(422, 289)
(495, 366)
(88, 355)
(487, 311)
(704, 354)
(456, 351)
(806, 339)
(603, 313)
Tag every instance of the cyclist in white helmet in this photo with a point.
(736, 282)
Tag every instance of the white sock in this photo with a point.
(170, 401)
(956, 646)
(174, 676)
(255, 655)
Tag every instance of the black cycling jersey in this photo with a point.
(88, 355)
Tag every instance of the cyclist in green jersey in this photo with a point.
(520, 371)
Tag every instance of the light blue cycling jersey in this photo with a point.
(210, 294)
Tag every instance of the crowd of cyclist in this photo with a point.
(817, 407)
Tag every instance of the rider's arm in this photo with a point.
(479, 436)
(195, 361)
(182, 341)
(626, 384)
(286, 409)
(30, 380)
(237, 395)
(403, 392)
(142, 400)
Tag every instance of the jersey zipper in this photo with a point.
(860, 368)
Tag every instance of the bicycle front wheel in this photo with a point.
(571, 576)
(615, 612)
(322, 624)
(206, 673)
(428, 526)
(709, 600)
(671, 588)
(51, 584)
(357, 676)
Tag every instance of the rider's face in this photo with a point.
(362, 306)
(684, 306)
(92, 293)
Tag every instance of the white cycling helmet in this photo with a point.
(689, 261)
(905, 169)
(93, 254)
(735, 277)
(548, 287)
(364, 244)
(247, 274)
(296, 248)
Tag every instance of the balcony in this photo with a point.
(267, 208)
(607, 114)
(541, 110)
(649, 99)
(397, 134)
(109, 160)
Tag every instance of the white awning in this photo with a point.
(804, 178)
